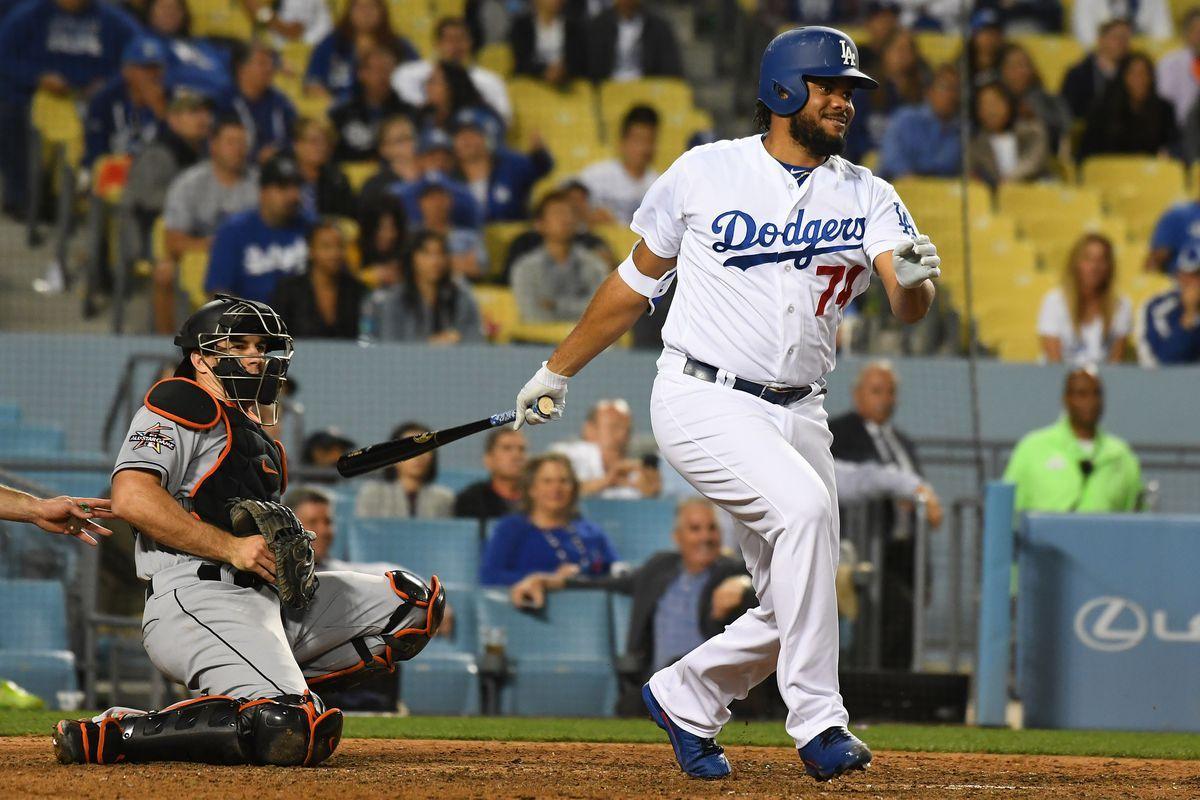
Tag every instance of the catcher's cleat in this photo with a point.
(81, 741)
(697, 756)
(832, 752)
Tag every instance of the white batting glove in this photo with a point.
(915, 261)
(543, 383)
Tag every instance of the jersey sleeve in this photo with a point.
(659, 220)
(888, 221)
(157, 444)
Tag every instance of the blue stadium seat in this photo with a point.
(75, 483)
(559, 659)
(10, 413)
(443, 679)
(41, 672)
(637, 528)
(26, 552)
(448, 548)
(34, 617)
(620, 607)
(30, 440)
(458, 479)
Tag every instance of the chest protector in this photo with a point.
(251, 465)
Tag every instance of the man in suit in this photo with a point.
(867, 435)
(681, 598)
(629, 42)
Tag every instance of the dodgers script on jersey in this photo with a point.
(766, 267)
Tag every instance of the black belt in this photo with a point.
(780, 397)
(212, 572)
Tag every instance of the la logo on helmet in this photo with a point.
(848, 54)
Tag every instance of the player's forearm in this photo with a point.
(911, 305)
(16, 506)
(612, 311)
(156, 514)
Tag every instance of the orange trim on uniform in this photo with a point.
(185, 422)
(404, 595)
(83, 732)
(283, 460)
(312, 734)
(382, 661)
(253, 703)
(195, 700)
(434, 586)
(220, 459)
(104, 725)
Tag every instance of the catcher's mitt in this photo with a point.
(295, 562)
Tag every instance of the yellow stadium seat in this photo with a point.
(1143, 286)
(192, 269)
(572, 154)
(497, 238)
(942, 197)
(58, 121)
(497, 57)
(449, 8)
(557, 115)
(1153, 47)
(226, 19)
(619, 238)
(1007, 316)
(414, 20)
(359, 172)
(1136, 188)
(498, 308)
(1025, 200)
(542, 332)
(670, 97)
(1053, 55)
(938, 48)
(294, 57)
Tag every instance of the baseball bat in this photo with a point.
(383, 454)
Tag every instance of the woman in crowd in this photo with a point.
(383, 230)
(429, 305)
(398, 163)
(1086, 321)
(1004, 146)
(548, 538)
(1019, 76)
(191, 62)
(326, 300)
(1131, 117)
(326, 190)
(408, 489)
(334, 61)
(448, 91)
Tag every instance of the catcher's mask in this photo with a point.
(211, 331)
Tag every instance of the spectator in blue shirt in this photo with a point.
(499, 179)
(1178, 229)
(548, 537)
(254, 249)
(435, 160)
(195, 63)
(364, 25)
(1169, 328)
(125, 115)
(924, 139)
(263, 109)
(62, 47)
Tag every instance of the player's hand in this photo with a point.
(543, 382)
(916, 261)
(72, 516)
(251, 554)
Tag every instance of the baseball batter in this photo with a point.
(232, 608)
(769, 238)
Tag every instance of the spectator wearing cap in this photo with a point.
(254, 249)
(452, 45)
(1086, 82)
(326, 300)
(435, 204)
(322, 449)
(617, 185)
(124, 116)
(62, 47)
(555, 281)
(326, 190)
(1150, 18)
(504, 457)
(358, 119)
(1130, 118)
(1169, 325)
(550, 43)
(194, 63)
(428, 305)
(601, 458)
(365, 25)
(1176, 232)
(265, 112)
(984, 46)
(1179, 70)
(197, 202)
(924, 139)
(629, 42)
(408, 489)
(1005, 147)
(1074, 465)
(178, 145)
(1086, 321)
(579, 200)
(500, 179)
(434, 164)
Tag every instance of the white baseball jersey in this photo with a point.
(765, 266)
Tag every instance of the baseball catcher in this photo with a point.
(234, 608)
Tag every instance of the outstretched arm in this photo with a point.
(906, 273)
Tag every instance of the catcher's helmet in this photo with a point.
(814, 51)
(228, 316)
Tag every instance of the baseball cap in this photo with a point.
(985, 18)
(185, 98)
(144, 51)
(481, 121)
(1188, 259)
(281, 170)
(433, 139)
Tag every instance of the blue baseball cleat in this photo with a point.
(698, 757)
(832, 752)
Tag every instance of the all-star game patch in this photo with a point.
(155, 436)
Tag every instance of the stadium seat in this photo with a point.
(35, 615)
(59, 122)
(448, 548)
(1024, 201)
(1053, 55)
(559, 658)
(359, 172)
(458, 479)
(414, 20)
(497, 57)
(637, 528)
(620, 607)
(44, 673)
(497, 238)
(498, 308)
(565, 119)
(670, 97)
(294, 56)
(92, 483)
(30, 440)
(193, 268)
(941, 196)
(1136, 188)
(619, 238)
(223, 19)
(541, 332)
(938, 48)
(10, 413)
(444, 678)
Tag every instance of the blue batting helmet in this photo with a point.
(814, 51)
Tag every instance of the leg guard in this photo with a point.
(404, 635)
(286, 731)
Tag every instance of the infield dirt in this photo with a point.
(387, 768)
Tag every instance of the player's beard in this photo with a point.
(807, 133)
